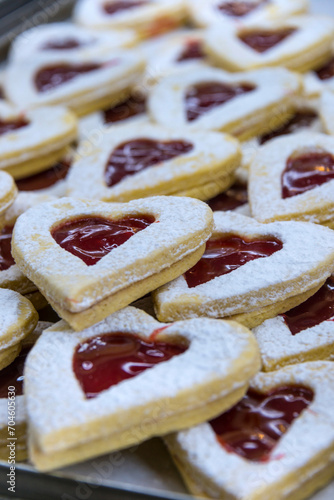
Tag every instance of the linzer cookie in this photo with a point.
(244, 105)
(91, 258)
(304, 333)
(327, 111)
(299, 43)
(322, 78)
(135, 162)
(250, 271)
(277, 441)
(293, 178)
(104, 403)
(8, 192)
(246, 12)
(12, 399)
(147, 17)
(18, 319)
(85, 83)
(32, 140)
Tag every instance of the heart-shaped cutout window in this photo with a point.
(6, 258)
(239, 9)
(68, 43)
(7, 126)
(192, 50)
(263, 40)
(121, 5)
(49, 77)
(44, 179)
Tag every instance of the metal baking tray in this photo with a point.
(140, 473)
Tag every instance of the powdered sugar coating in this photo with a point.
(17, 318)
(8, 191)
(327, 111)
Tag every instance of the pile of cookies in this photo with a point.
(167, 206)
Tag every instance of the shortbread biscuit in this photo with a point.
(216, 359)
(244, 105)
(8, 192)
(293, 467)
(84, 285)
(253, 271)
(287, 180)
(30, 141)
(132, 162)
(298, 43)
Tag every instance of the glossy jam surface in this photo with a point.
(62, 44)
(135, 105)
(133, 156)
(300, 120)
(44, 179)
(253, 427)
(52, 76)
(236, 196)
(7, 126)
(327, 71)
(224, 255)
(239, 9)
(6, 259)
(305, 172)
(104, 361)
(312, 312)
(12, 375)
(204, 97)
(261, 41)
(192, 50)
(120, 5)
(92, 238)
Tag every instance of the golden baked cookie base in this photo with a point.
(6, 201)
(7, 356)
(90, 105)
(209, 190)
(150, 427)
(109, 305)
(21, 452)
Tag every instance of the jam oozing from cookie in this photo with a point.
(6, 259)
(63, 44)
(51, 77)
(312, 312)
(12, 375)
(131, 157)
(91, 238)
(104, 361)
(253, 427)
(263, 40)
(133, 106)
(192, 50)
(326, 72)
(44, 179)
(301, 119)
(204, 97)
(120, 5)
(236, 196)
(224, 255)
(305, 172)
(7, 126)
(239, 9)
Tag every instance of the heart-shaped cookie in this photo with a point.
(298, 43)
(122, 377)
(327, 111)
(130, 163)
(244, 105)
(293, 427)
(8, 192)
(78, 255)
(293, 178)
(250, 270)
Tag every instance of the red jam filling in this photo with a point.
(327, 71)
(6, 259)
(62, 44)
(236, 196)
(12, 375)
(305, 172)
(7, 126)
(204, 97)
(52, 76)
(92, 238)
(192, 50)
(44, 179)
(312, 312)
(117, 6)
(224, 255)
(239, 9)
(253, 427)
(302, 119)
(261, 41)
(135, 105)
(104, 361)
(131, 157)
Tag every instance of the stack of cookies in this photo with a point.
(167, 243)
